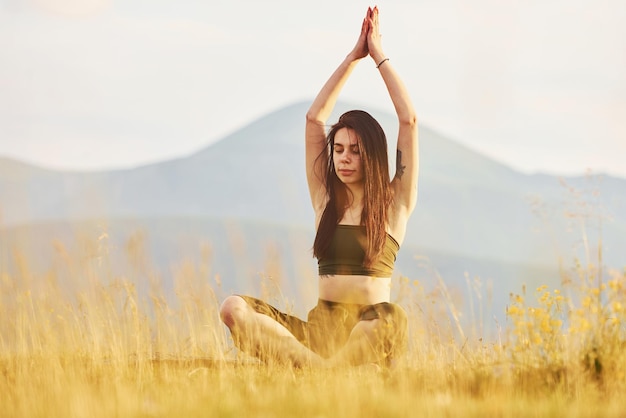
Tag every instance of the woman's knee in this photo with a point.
(386, 326)
(233, 311)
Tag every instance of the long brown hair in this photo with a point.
(377, 189)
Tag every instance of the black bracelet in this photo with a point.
(382, 62)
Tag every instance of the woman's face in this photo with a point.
(347, 157)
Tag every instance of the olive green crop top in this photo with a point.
(347, 252)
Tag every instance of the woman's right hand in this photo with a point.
(361, 49)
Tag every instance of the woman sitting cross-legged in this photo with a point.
(361, 217)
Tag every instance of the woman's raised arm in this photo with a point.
(320, 111)
(407, 154)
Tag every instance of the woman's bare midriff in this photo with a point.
(364, 290)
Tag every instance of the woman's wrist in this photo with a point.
(377, 58)
(381, 62)
(353, 57)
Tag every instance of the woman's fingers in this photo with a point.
(373, 36)
(375, 18)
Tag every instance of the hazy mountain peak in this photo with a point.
(258, 172)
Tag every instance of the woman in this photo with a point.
(361, 219)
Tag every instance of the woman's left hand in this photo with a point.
(374, 43)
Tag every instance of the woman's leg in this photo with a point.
(264, 337)
(362, 346)
(379, 336)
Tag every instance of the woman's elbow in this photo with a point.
(314, 118)
(409, 120)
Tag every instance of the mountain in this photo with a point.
(253, 173)
(468, 204)
(474, 216)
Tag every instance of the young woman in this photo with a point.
(361, 217)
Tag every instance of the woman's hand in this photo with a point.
(374, 44)
(361, 49)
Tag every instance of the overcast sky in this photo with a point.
(99, 84)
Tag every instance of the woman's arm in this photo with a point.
(407, 154)
(320, 111)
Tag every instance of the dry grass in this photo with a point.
(76, 341)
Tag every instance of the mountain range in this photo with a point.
(475, 216)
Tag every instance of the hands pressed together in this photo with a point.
(369, 42)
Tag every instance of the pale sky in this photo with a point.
(100, 84)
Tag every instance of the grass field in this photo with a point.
(76, 341)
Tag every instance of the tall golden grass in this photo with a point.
(79, 341)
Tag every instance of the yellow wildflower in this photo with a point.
(513, 310)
